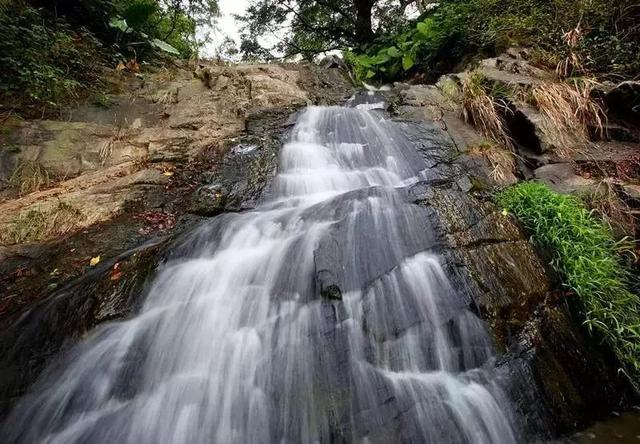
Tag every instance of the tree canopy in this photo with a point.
(309, 27)
(383, 41)
(52, 50)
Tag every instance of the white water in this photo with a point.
(235, 345)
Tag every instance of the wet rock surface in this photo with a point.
(560, 379)
(162, 157)
(557, 378)
(110, 291)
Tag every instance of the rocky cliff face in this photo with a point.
(176, 148)
(132, 162)
(549, 356)
(561, 379)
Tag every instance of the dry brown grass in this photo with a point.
(502, 160)
(29, 176)
(570, 113)
(166, 98)
(571, 64)
(106, 147)
(482, 110)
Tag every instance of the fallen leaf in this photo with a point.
(132, 66)
(505, 212)
(116, 274)
(168, 173)
(94, 261)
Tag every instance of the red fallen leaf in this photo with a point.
(133, 66)
(116, 274)
(21, 272)
(156, 221)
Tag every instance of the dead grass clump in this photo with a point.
(570, 114)
(29, 176)
(166, 97)
(36, 224)
(483, 110)
(106, 147)
(571, 64)
(502, 160)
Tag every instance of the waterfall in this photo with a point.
(324, 315)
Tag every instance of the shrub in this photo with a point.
(44, 62)
(423, 41)
(53, 55)
(584, 36)
(586, 256)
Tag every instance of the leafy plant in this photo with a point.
(53, 55)
(46, 63)
(392, 55)
(601, 37)
(586, 256)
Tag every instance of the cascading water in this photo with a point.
(321, 316)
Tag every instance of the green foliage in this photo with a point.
(420, 43)
(605, 37)
(310, 27)
(44, 62)
(167, 26)
(142, 25)
(586, 256)
(52, 55)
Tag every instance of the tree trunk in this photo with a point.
(363, 32)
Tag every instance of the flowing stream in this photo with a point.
(324, 315)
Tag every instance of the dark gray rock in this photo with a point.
(29, 340)
(332, 61)
(544, 354)
(464, 184)
(209, 200)
(623, 101)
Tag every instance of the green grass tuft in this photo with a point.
(586, 256)
(37, 224)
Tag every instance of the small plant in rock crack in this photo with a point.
(483, 109)
(38, 224)
(570, 114)
(588, 258)
(29, 176)
(502, 160)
